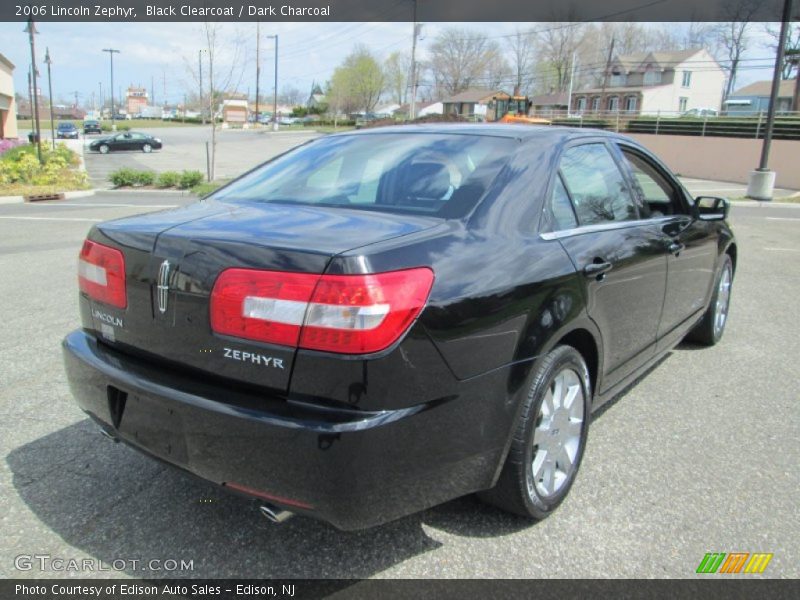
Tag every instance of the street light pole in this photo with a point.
(258, 67)
(200, 70)
(31, 30)
(275, 94)
(412, 108)
(111, 52)
(762, 180)
(50, 91)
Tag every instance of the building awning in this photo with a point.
(737, 102)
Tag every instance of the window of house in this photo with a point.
(596, 103)
(682, 103)
(581, 104)
(596, 186)
(687, 79)
(613, 103)
(617, 78)
(652, 76)
(630, 104)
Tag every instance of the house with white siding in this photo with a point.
(652, 83)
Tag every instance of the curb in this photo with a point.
(67, 196)
(135, 191)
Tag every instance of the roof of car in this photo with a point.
(548, 133)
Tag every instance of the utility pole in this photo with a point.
(50, 91)
(152, 91)
(571, 80)
(200, 70)
(258, 66)
(111, 52)
(605, 73)
(76, 99)
(31, 30)
(762, 180)
(412, 110)
(275, 92)
(101, 100)
(793, 56)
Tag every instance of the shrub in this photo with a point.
(168, 179)
(145, 177)
(123, 177)
(189, 179)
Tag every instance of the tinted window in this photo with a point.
(658, 195)
(441, 174)
(596, 185)
(560, 208)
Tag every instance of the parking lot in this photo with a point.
(700, 456)
(185, 148)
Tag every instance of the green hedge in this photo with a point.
(168, 179)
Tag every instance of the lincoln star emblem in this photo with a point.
(163, 286)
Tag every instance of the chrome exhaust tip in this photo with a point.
(275, 514)
(109, 436)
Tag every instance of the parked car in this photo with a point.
(379, 321)
(128, 140)
(67, 131)
(92, 126)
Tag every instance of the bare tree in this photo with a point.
(557, 43)
(792, 47)
(291, 95)
(396, 69)
(222, 81)
(733, 37)
(461, 58)
(523, 54)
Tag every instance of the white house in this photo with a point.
(656, 82)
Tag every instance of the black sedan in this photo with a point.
(128, 140)
(67, 131)
(377, 322)
(91, 126)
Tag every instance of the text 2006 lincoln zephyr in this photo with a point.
(377, 322)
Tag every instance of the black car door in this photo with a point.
(122, 141)
(691, 243)
(621, 257)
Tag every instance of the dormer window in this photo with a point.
(652, 76)
(617, 78)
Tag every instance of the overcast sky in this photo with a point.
(160, 52)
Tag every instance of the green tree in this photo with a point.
(357, 83)
(397, 68)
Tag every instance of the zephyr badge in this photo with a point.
(163, 286)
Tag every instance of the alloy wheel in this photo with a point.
(723, 301)
(557, 437)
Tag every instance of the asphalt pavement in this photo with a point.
(700, 456)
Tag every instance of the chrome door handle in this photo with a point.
(597, 269)
(676, 248)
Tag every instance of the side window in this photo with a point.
(657, 194)
(559, 208)
(598, 190)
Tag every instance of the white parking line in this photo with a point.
(782, 218)
(783, 249)
(114, 205)
(50, 219)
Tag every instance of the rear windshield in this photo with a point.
(423, 173)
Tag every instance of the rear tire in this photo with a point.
(549, 440)
(710, 329)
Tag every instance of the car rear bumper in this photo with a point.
(354, 469)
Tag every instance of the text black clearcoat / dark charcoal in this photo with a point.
(361, 440)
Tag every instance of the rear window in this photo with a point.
(437, 174)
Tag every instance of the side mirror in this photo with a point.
(710, 208)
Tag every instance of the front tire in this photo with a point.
(103, 149)
(549, 440)
(147, 148)
(710, 329)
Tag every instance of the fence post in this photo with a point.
(617, 121)
(705, 120)
(758, 127)
(658, 120)
(581, 123)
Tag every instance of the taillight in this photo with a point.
(349, 314)
(101, 274)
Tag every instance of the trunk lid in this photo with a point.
(188, 248)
